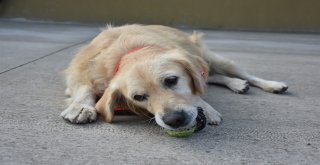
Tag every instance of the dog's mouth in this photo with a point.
(200, 124)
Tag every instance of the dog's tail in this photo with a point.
(196, 37)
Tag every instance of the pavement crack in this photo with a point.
(44, 56)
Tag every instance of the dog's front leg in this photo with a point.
(81, 108)
(213, 116)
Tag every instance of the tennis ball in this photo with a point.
(182, 133)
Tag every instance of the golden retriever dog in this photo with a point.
(157, 70)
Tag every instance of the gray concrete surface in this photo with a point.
(258, 127)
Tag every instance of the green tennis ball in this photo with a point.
(183, 133)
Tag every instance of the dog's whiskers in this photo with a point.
(151, 121)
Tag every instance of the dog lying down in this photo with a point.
(158, 70)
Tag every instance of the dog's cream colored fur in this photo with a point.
(163, 52)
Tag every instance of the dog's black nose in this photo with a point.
(175, 119)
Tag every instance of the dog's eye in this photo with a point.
(171, 81)
(140, 97)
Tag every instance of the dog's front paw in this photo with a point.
(79, 113)
(275, 87)
(213, 117)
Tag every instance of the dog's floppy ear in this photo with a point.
(106, 104)
(198, 70)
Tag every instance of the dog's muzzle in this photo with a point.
(176, 119)
(181, 119)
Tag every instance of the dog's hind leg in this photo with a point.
(224, 66)
(81, 106)
(235, 84)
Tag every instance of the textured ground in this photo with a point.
(258, 127)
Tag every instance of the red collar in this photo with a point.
(203, 73)
(135, 49)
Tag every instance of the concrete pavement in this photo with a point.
(258, 127)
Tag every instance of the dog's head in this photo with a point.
(165, 83)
